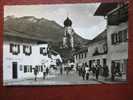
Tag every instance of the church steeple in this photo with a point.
(67, 22)
(68, 39)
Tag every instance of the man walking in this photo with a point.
(44, 72)
(98, 66)
(83, 71)
(113, 71)
(87, 71)
(35, 72)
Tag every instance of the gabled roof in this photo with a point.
(102, 36)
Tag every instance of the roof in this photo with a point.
(23, 36)
(83, 50)
(104, 8)
(101, 37)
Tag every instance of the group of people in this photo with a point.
(45, 72)
(115, 70)
(96, 70)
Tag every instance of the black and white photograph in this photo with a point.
(65, 44)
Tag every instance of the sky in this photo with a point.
(84, 22)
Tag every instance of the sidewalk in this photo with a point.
(57, 79)
(109, 81)
(6, 82)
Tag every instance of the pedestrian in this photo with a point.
(113, 71)
(98, 66)
(61, 70)
(117, 71)
(35, 72)
(44, 72)
(80, 70)
(105, 71)
(87, 71)
(94, 69)
(83, 72)
(47, 70)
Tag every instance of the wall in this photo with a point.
(118, 51)
(34, 59)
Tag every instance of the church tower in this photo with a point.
(68, 39)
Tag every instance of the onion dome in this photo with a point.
(67, 22)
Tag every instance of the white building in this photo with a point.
(117, 35)
(21, 54)
(97, 50)
(80, 57)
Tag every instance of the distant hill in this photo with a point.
(42, 28)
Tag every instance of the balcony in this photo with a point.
(118, 16)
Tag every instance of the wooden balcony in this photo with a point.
(118, 16)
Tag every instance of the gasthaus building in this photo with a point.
(97, 50)
(22, 53)
(117, 35)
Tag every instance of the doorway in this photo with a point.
(14, 70)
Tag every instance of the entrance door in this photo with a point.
(14, 70)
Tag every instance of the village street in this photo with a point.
(56, 79)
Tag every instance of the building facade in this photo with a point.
(21, 55)
(117, 37)
(80, 57)
(97, 50)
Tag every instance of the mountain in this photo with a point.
(42, 28)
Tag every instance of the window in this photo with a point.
(14, 49)
(25, 68)
(125, 35)
(21, 68)
(43, 51)
(27, 50)
(30, 68)
(121, 36)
